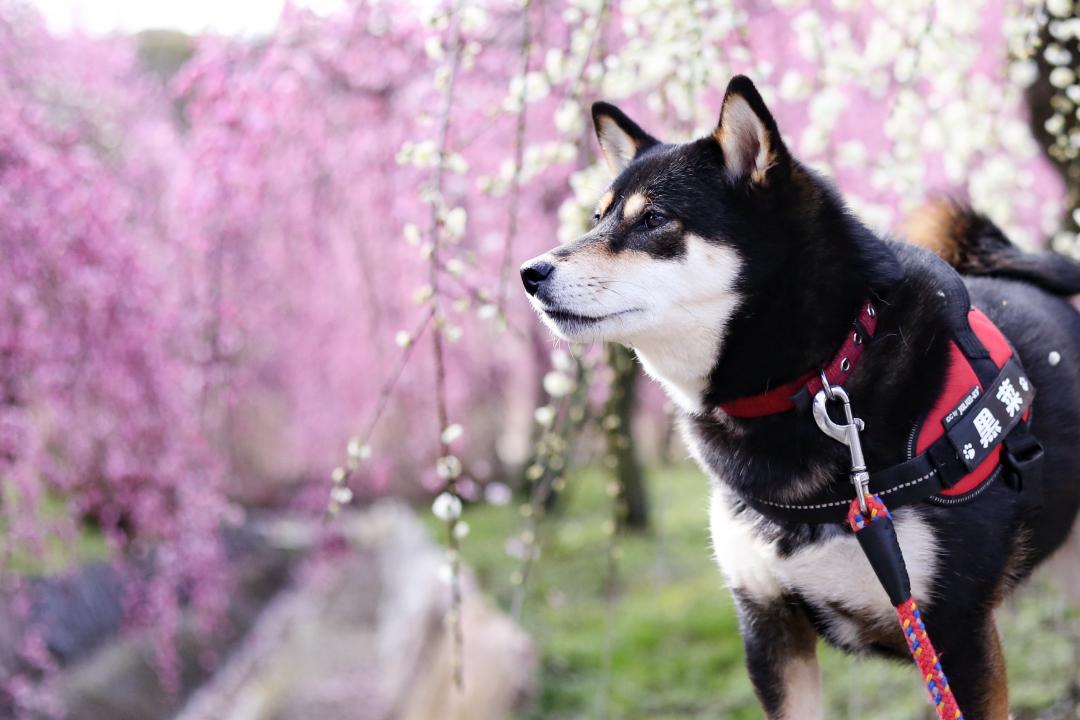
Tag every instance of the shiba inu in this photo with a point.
(733, 270)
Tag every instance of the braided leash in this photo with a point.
(875, 532)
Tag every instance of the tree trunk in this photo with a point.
(622, 458)
(1050, 104)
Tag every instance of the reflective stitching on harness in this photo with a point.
(916, 481)
(838, 503)
(818, 506)
(944, 500)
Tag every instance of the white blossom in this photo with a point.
(454, 222)
(341, 495)
(451, 433)
(558, 384)
(568, 118)
(1062, 77)
(358, 450)
(446, 507)
(448, 467)
(544, 415)
(1059, 8)
(562, 360)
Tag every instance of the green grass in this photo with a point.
(675, 650)
(57, 552)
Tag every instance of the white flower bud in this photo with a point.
(1062, 77)
(557, 384)
(448, 467)
(433, 47)
(568, 119)
(455, 222)
(446, 573)
(1059, 8)
(423, 294)
(544, 415)
(452, 433)
(457, 164)
(446, 507)
(561, 360)
(358, 450)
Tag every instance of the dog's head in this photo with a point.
(677, 236)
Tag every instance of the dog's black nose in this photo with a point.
(533, 276)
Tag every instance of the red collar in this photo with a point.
(781, 399)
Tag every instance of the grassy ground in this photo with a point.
(667, 645)
(56, 553)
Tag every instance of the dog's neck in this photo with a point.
(681, 361)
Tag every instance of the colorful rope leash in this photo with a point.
(876, 534)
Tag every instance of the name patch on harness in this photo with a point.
(979, 430)
(958, 412)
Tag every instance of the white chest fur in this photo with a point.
(832, 572)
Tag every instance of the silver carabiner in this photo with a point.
(846, 433)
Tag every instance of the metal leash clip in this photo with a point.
(846, 433)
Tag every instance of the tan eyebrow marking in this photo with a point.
(633, 206)
(605, 202)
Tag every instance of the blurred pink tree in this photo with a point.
(99, 399)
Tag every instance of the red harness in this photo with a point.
(943, 463)
(959, 383)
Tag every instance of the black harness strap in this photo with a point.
(944, 463)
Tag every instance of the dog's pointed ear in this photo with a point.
(748, 135)
(621, 139)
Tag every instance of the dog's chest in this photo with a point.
(831, 575)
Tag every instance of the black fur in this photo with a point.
(774, 634)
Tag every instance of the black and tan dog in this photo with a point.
(730, 268)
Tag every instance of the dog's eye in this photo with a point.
(596, 217)
(654, 219)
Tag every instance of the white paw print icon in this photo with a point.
(969, 451)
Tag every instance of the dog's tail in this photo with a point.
(974, 245)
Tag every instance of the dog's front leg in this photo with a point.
(781, 655)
